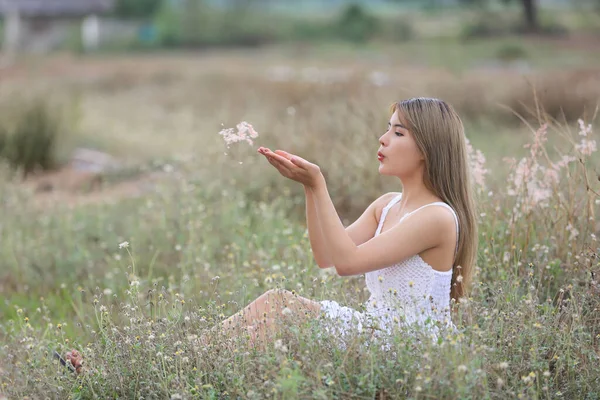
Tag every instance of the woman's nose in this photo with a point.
(382, 140)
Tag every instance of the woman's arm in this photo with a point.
(411, 237)
(360, 231)
(315, 233)
(331, 225)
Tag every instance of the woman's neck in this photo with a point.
(415, 194)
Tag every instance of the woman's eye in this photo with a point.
(399, 134)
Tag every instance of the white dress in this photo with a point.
(402, 295)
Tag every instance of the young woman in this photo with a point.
(416, 248)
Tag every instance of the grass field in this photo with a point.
(219, 226)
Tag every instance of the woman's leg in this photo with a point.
(260, 316)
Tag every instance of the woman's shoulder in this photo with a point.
(383, 201)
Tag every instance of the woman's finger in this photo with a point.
(281, 168)
(282, 164)
(283, 154)
(282, 160)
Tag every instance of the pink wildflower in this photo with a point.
(586, 147)
(476, 163)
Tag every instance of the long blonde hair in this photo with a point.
(440, 136)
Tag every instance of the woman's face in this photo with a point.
(398, 154)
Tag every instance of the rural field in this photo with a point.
(130, 264)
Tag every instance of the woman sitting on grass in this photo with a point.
(415, 256)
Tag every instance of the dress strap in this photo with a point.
(385, 211)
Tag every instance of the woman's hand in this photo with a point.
(294, 167)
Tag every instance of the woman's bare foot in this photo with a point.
(76, 360)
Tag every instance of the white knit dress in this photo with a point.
(407, 293)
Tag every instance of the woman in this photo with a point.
(415, 256)
(416, 248)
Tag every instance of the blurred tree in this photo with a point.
(530, 13)
(530, 10)
(355, 24)
(136, 8)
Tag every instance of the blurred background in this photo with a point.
(142, 80)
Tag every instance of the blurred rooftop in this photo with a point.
(55, 8)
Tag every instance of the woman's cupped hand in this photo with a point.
(294, 167)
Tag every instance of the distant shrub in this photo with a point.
(487, 24)
(136, 8)
(196, 24)
(495, 24)
(29, 135)
(355, 24)
(398, 29)
(511, 52)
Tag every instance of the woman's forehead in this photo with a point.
(396, 118)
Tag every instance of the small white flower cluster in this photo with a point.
(280, 346)
(245, 131)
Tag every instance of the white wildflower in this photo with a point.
(124, 245)
(280, 346)
(245, 131)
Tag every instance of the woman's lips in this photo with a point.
(380, 156)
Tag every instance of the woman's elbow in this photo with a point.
(325, 265)
(342, 270)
